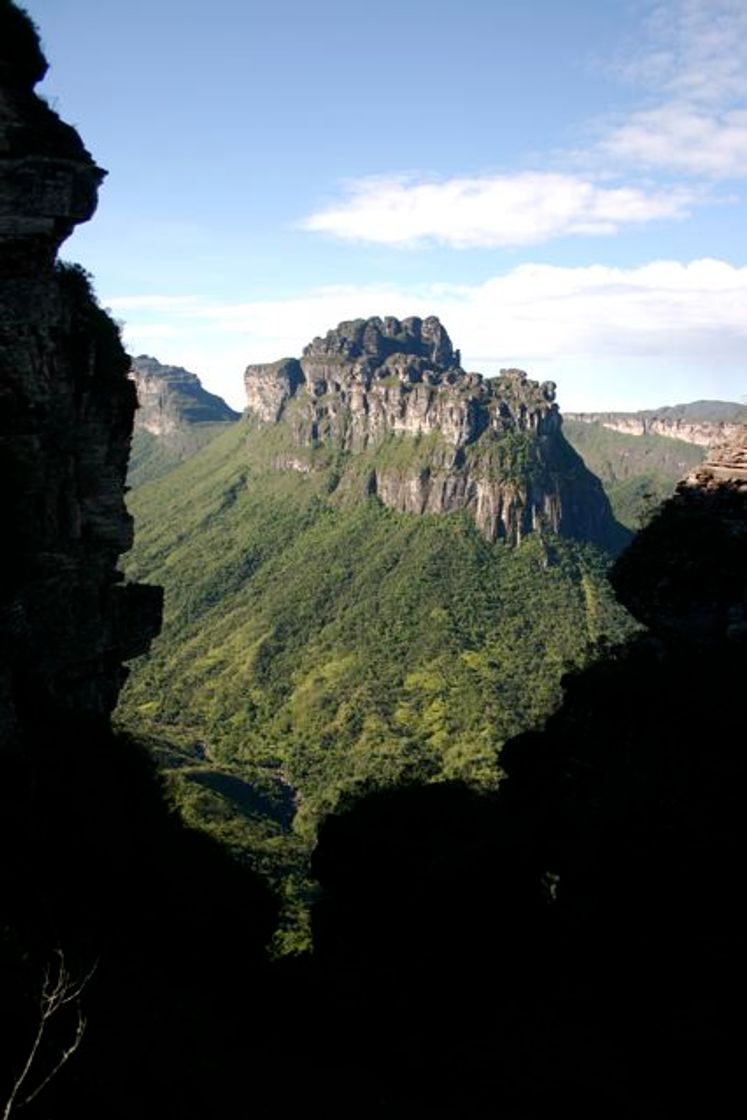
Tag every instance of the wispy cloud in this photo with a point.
(691, 50)
(692, 66)
(496, 210)
(680, 137)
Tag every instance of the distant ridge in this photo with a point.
(175, 418)
(702, 422)
(638, 471)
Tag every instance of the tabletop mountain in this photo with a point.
(175, 417)
(380, 572)
(428, 437)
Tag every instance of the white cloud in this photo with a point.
(694, 50)
(683, 138)
(495, 210)
(692, 64)
(588, 323)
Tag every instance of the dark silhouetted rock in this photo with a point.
(67, 406)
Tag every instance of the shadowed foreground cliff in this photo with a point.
(66, 409)
(572, 944)
(102, 892)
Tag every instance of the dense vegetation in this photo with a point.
(153, 456)
(316, 644)
(638, 472)
(567, 943)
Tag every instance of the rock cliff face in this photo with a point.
(492, 447)
(170, 398)
(725, 465)
(174, 419)
(66, 409)
(704, 423)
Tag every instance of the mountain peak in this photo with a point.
(492, 447)
(378, 339)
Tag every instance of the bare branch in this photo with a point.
(58, 990)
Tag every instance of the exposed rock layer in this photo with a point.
(492, 447)
(174, 419)
(704, 423)
(66, 414)
(170, 398)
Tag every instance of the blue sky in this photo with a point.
(561, 181)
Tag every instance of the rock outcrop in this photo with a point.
(67, 405)
(170, 398)
(174, 419)
(668, 578)
(704, 423)
(725, 465)
(492, 447)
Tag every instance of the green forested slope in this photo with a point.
(316, 640)
(637, 472)
(153, 456)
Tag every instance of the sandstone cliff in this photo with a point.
(704, 423)
(175, 417)
(492, 447)
(66, 411)
(170, 398)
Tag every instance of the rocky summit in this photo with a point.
(493, 447)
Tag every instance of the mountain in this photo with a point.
(700, 422)
(427, 437)
(638, 471)
(379, 573)
(175, 417)
(568, 942)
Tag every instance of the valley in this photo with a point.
(375, 752)
(350, 604)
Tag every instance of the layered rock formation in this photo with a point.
(174, 419)
(170, 398)
(725, 465)
(67, 405)
(492, 447)
(704, 423)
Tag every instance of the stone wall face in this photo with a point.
(497, 447)
(66, 412)
(704, 433)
